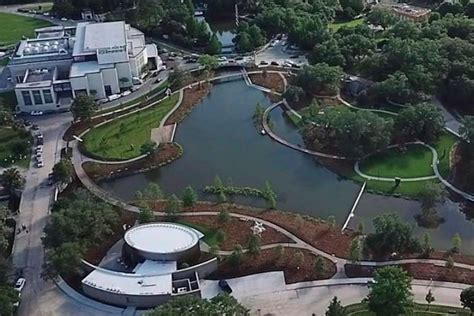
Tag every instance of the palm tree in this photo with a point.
(12, 180)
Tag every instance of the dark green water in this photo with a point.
(219, 139)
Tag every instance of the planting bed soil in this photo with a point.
(165, 154)
(236, 231)
(270, 80)
(462, 178)
(315, 232)
(192, 96)
(420, 271)
(269, 260)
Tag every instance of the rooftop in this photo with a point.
(39, 75)
(104, 35)
(83, 68)
(410, 10)
(162, 237)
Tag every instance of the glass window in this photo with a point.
(37, 97)
(47, 96)
(26, 97)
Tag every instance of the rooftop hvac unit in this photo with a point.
(62, 51)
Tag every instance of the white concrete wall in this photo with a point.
(124, 71)
(96, 83)
(110, 78)
(78, 83)
(44, 107)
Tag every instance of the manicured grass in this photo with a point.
(419, 310)
(8, 99)
(415, 161)
(337, 25)
(210, 235)
(9, 139)
(123, 137)
(13, 27)
(443, 147)
(410, 189)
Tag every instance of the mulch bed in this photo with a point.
(268, 261)
(461, 177)
(191, 98)
(420, 271)
(271, 81)
(312, 230)
(165, 154)
(237, 231)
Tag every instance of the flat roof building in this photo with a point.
(96, 59)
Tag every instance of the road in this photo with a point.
(279, 54)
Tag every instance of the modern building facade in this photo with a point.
(95, 59)
(152, 254)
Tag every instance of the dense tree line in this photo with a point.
(77, 223)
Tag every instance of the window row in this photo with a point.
(37, 99)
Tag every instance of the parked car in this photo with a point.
(20, 284)
(36, 113)
(274, 63)
(40, 164)
(64, 19)
(39, 149)
(35, 127)
(113, 97)
(224, 286)
(263, 62)
(27, 123)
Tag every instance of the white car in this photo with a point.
(20, 284)
(36, 113)
(125, 93)
(113, 97)
(39, 149)
(40, 164)
(64, 19)
(222, 58)
(46, 14)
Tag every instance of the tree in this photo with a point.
(467, 298)
(222, 304)
(12, 180)
(426, 248)
(299, 258)
(63, 171)
(177, 78)
(429, 298)
(294, 94)
(391, 235)
(390, 294)
(431, 194)
(172, 207)
(214, 47)
(467, 132)
(8, 297)
(320, 79)
(208, 62)
(319, 266)
(83, 107)
(355, 252)
(381, 17)
(220, 236)
(456, 242)
(279, 251)
(269, 195)
(254, 245)
(5, 231)
(420, 122)
(223, 216)
(236, 256)
(148, 148)
(335, 308)
(189, 196)
(63, 261)
(146, 215)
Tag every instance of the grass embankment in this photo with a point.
(338, 24)
(10, 141)
(122, 138)
(412, 163)
(13, 27)
(420, 310)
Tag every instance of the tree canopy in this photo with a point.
(83, 107)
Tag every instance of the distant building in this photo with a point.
(96, 59)
(89, 15)
(409, 12)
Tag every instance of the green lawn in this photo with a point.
(420, 310)
(210, 235)
(337, 25)
(9, 140)
(122, 138)
(13, 27)
(443, 147)
(415, 161)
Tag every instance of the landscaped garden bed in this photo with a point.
(297, 267)
(192, 96)
(122, 138)
(236, 231)
(268, 80)
(422, 271)
(166, 153)
(314, 231)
